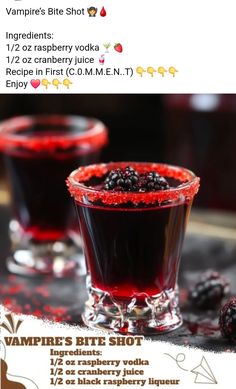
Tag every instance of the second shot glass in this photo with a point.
(39, 152)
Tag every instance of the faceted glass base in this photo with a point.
(141, 314)
(57, 259)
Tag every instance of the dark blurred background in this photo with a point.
(195, 131)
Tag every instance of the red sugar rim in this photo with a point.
(94, 134)
(186, 190)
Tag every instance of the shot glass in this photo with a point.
(132, 246)
(39, 153)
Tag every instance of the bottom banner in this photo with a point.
(37, 354)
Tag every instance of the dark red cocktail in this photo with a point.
(133, 235)
(39, 153)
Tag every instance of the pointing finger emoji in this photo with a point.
(67, 83)
(45, 83)
(172, 70)
(56, 82)
(161, 70)
(151, 70)
(140, 70)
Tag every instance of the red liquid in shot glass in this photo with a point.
(41, 203)
(133, 251)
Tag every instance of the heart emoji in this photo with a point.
(118, 47)
(35, 83)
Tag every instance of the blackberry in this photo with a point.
(209, 291)
(129, 179)
(152, 181)
(122, 180)
(227, 320)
